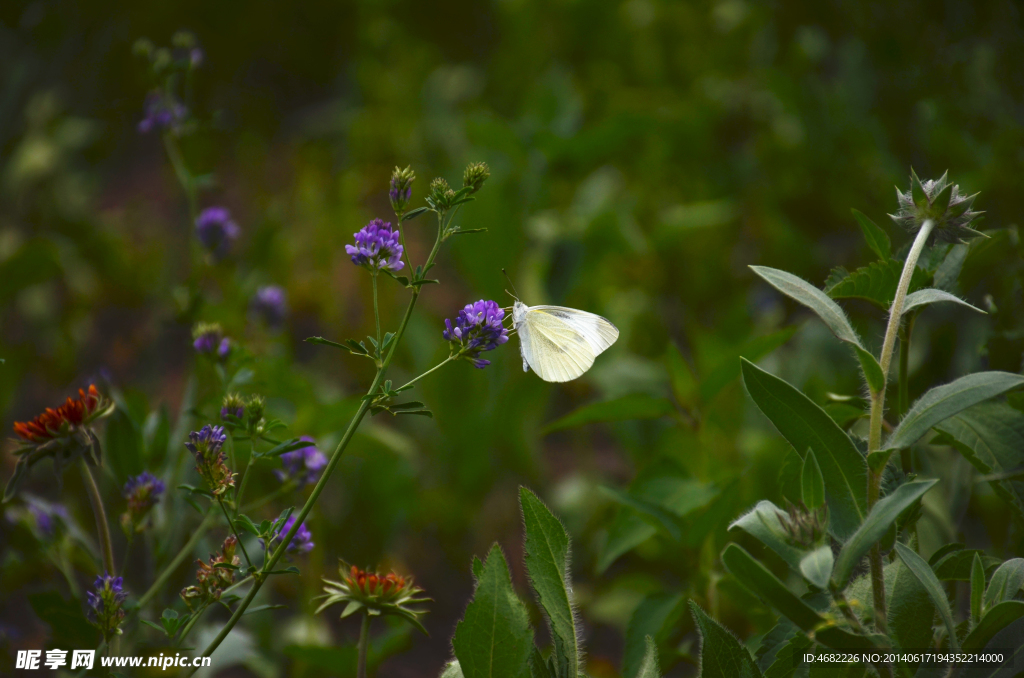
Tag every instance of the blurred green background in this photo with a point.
(643, 154)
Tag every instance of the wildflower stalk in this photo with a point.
(878, 412)
(903, 399)
(376, 313)
(231, 526)
(184, 553)
(245, 477)
(191, 622)
(102, 528)
(357, 418)
(364, 642)
(432, 369)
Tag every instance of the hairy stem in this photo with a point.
(184, 553)
(102, 527)
(903, 399)
(364, 643)
(878, 413)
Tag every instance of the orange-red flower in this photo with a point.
(373, 584)
(375, 594)
(74, 412)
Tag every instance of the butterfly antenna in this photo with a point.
(514, 296)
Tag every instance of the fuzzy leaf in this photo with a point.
(910, 610)
(649, 667)
(721, 655)
(876, 238)
(547, 562)
(654, 617)
(494, 639)
(920, 568)
(930, 295)
(816, 566)
(994, 621)
(806, 426)
(1005, 582)
(812, 485)
(763, 523)
(810, 296)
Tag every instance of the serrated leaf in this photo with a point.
(816, 566)
(942, 402)
(547, 563)
(810, 296)
(806, 426)
(876, 238)
(920, 568)
(721, 655)
(494, 638)
(930, 295)
(812, 485)
(876, 524)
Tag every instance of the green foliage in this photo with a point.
(721, 655)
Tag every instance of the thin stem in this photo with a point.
(191, 622)
(245, 476)
(878, 413)
(364, 643)
(231, 526)
(236, 585)
(376, 313)
(432, 369)
(844, 607)
(904, 385)
(288, 486)
(184, 553)
(102, 528)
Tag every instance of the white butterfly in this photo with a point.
(559, 343)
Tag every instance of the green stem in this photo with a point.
(178, 559)
(102, 528)
(357, 418)
(364, 643)
(191, 622)
(432, 369)
(376, 315)
(245, 476)
(878, 412)
(231, 526)
(904, 385)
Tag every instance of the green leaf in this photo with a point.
(930, 295)
(262, 608)
(287, 446)
(910, 610)
(810, 296)
(721, 655)
(649, 667)
(956, 566)
(547, 563)
(994, 621)
(632, 406)
(1005, 582)
(655, 513)
(494, 638)
(452, 669)
(412, 214)
(876, 238)
(156, 626)
(752, 350)
(681, 377)
(327, 342)
(871, 370)
(977, 588)
(816, 566)
(920, 568)
(875, 283)
(806, 426)
(762, 522)
(654, 617)
(812, 485)
(627, 531)
(942, 402)
(876, 524)
(991, 437)
(762, 583)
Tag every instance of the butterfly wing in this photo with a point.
(560, 344)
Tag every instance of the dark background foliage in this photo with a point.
(643, 154)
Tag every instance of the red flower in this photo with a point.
(73, 413)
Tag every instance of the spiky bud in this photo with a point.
(441, 194)
(940, 201)
(804, 527)
(475, 175)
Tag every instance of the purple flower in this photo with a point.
(377, 247)
(206, 445)
(105, 601)
(162, 112)
(400, 189)
(46, 516)
(478, 328)
(302, 541)
(271, 304)
(196, 56)
(216, 230)
(209, 339)
(302, 465)
(233, 405)
(142, 492)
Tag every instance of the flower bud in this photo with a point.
(233, 405)
(400, 190)
(441, 195)
(254, 410)
(804, 527)
(475, 175)
(938, 201)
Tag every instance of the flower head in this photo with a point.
(162, 112)
(939, 201)
(475, 175)
(142, 492)
(441, 195)
(302, 540)
(63, 434)
(209, 339)
(271, 304)
(804, 527)
(380, 594)
(210, 579)
(302, 465)
(216, 230)
(377, 247)
(233, 406)
(478, 328)
(254, 410)
(207, 447)
(105, 601)
(400, 189)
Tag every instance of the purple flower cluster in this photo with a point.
(142, 493)
(377, 247)
(400, 189)
(105, 601)
(216, 230)
(207, 447)
(302, 465)
(302, 541)
(161, 112)
(233, 405)
(46, 516)
(478, 328)
(209, 339)
(271, 304)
